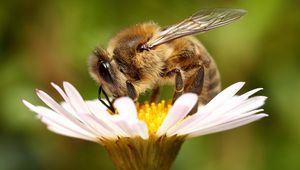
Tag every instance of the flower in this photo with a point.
(155, 124)
(91, 121)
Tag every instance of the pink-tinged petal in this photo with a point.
(59, 109)
(126, 108)
(86, 119)
(68, 133)
(90, 120)
(67, 104)
(97, 105)
(54, 105)
(51, 118)
(75, 98)
(61, 92)
(69, 109)
(105, 119)
(229, 125)
(102, 130)
(179, 110)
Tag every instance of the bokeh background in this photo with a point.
(49, 41)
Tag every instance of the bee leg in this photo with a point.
(178, 84)
(131, 90)
(110, 104)
(196, 87)
(154, 95)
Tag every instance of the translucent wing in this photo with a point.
(201, 21)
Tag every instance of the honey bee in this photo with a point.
(146, 56)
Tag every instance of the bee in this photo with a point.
(146, 56)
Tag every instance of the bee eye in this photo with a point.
(104, 71)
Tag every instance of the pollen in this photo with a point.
(153, 114)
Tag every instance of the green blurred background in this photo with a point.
(49, 41)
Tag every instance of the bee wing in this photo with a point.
(201, 21)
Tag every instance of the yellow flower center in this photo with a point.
(153, 114)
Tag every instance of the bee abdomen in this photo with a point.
(212, 84)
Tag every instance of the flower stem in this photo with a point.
(139, 154)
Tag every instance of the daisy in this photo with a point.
(146, 136)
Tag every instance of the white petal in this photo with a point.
(102, 129)
(234, 102)
(244, 107)
(88, 120)
(222, 97)
(75, 98)
(199, 124)
(227, 110)
(142, 129)
(66, 132)
(97, 105)
(232, 117)
(188, 122)
(104, 118)
(229, 125)
(53, 119)
(131, 129)
(127, 118)
(67, 104)
(61, 92)
(250, 104)
(59, 109)
(179, 110)
(121, 123)
(69, 109)
(227, 107)
(54, 105)
(126, 108)
(249, 93)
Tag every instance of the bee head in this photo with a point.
(100, 67)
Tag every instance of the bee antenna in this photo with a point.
(110, 106)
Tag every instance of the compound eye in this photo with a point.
(104, 71)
